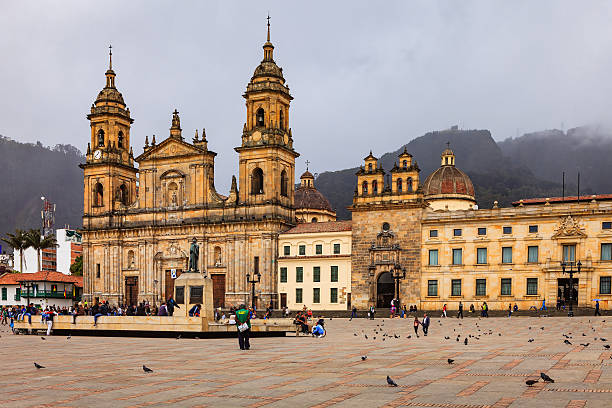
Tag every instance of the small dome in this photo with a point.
(448, 180)
(307, 174)
(311, 198)
(110, 95)
(268, 69)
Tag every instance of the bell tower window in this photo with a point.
(369, 166)
(259, 118)
(257, 181)
(98, 195)
(399, 185)
(281, 118)
(405, 164)
(409, 185)
(100, 138)
(123, 194)
(120, 140)
(364, 187)
(374, 187)
(284, 183)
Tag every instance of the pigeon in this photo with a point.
(530, 382)
(499, 334)
(567, 342)
(530, 340)
(374, 337)
(409, 337)
(366, 336)
(465, 341)
(450, 361)
(391, 382)
(606, 346)
(146, 369)
(546, 378)
(42, 338)
(446, 337)
(38, 366)
(364, 358)
(602, 339)
(585, 345)
(355, 334)
(69, 337)
(178, 337)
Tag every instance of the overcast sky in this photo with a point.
(364, 75)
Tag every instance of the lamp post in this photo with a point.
(571, 274)
(398, 274)
(155, 282)
(256, 279)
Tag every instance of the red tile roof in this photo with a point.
(9, 279)
(47, 276)
(332, 226)
(568, 199)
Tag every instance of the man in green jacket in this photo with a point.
(243, 317)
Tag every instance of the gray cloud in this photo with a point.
(365, 75)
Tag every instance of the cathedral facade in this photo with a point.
(139, 221)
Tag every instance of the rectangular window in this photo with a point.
(433, 257)
(481, 287)
(316, 295)
(533, 229)
(507, 255)
(196, 294)
(506, 286)
(433, 233)
(298, 295)
(18, 294)
(334, 274)
(336, 249)
(256, 264)
(532, 286)
(604, 285)
(482, 231)
(532, 254)
(180, 294)
(481, 256)
(507, 230)
(606, 252)
(432, 288)
(318, 249)
(283, 275)
(333, 295)
(302, 249)
(606, 225)
(287, 250)
(456, 287)
(457, 256)
(457, 232)
(299, 274)
(98, 271)
(569, 253)
(316, 274)
(4, 293)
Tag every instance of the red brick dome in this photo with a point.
(311, 198)
(448, 180)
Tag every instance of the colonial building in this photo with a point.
(141, 212)
(429, 245)
(41, 288)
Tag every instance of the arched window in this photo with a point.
(446, 159)
(218, 258)
(314, 219)
(130, 258)
(99, 195)
(409, 185)
(120, 140)
(260, 117)
(369, 166)
(173, 198)
(283, 180)
(257, 181)
(364, 187)
(405, 164)
(123, 194)
(281, 117)
(399, 185)
(100, 138)
(374, 187)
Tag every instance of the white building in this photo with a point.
(54, 259)
(41, 288)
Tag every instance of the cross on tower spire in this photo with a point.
(448, 145)
(268, 27)
(110, 56)
(307, 164)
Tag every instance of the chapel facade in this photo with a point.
(141, 212)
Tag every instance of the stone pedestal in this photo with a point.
(195, 289)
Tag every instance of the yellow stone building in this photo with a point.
(138, 221)
(430, 245)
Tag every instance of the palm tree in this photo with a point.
(18, 241)
(39, 242)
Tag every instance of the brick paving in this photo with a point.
(306, 372)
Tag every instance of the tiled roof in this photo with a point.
(9, 279)
(568, 199)
(311, 198)
(46, 276)
(332, 226)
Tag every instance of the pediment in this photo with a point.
(569, 227)
(170, 147)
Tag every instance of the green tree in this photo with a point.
(19, 242)
(39, 242)
(77, 267)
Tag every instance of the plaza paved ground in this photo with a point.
(306, 372)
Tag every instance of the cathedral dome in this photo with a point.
(448, 186)
(310, 204)
(311, 198)
(268, 69)
(109, 93)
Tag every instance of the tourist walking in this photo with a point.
(444, 310)
(353, 312)
(510, 310)
(416, 326)
(460, 312)
(243, 325)
(425, 324)
(485, 309)
(543, 304)
(372, 312)
(597, 308)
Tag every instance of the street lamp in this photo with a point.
(256, 279)
(398, 274)
(155, 282)
(571, 274)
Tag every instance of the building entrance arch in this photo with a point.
(385, 290)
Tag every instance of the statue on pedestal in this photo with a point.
(194, 255)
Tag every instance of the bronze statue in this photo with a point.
(194, 255)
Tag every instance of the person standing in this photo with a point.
(50, 316)
(444, 310)
(425, 324)
(243, 325)
(597, 308)
(416, 326)
(353, 312)
(460, 312)
(485, 309)
(372, 312)
(171, 304)
(509, 309)
(543, 304)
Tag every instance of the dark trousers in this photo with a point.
(243, 339)
(460, 313)
(425, 328)
(597, 312)
(416, 330)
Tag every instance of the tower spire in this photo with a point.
(268, 27)
(110, 57)
(268, 47)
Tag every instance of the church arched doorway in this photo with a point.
(385, 290)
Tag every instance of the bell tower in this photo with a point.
(110, 175)
(267, 157)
